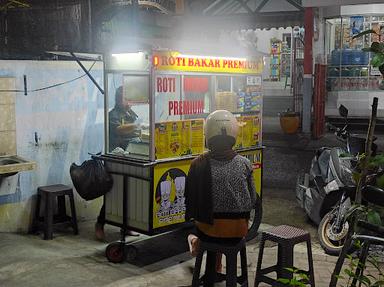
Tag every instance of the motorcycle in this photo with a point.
(364, 231)
(326, 191)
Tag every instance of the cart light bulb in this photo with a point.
(155, 60)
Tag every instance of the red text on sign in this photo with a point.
(185, 107)
(166, 85)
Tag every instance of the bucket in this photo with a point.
(289, 122)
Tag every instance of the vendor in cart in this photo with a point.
(122, 131)
(220, 191)
(122, 127)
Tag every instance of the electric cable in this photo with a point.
(51, 86)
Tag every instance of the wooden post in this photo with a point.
(368, 151)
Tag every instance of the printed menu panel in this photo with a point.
(249, 131)
(185, 137)
(197, 135)
(162, 140)
(178, 138)
(239, 139)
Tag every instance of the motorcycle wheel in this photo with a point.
(330, 240)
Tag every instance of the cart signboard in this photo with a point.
(255, 157)
(168, 199)
(175, 61)
(169, 187)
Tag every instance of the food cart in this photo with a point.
(169, 95)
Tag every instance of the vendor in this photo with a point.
(122, 129)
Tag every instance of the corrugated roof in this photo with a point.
(228, 7)
(251, 14)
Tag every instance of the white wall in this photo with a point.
(68, 122)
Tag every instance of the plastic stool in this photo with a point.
(230, 252)
(286, 237)
(48, 195)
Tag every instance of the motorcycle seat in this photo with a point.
(373, 194)
(340, 165)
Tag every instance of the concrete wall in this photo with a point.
(54, 127)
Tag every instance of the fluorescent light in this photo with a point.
(211, 57)
(127, 56)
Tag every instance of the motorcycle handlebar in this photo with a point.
(340, 132)
(331, 127)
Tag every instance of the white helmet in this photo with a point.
(221, 122)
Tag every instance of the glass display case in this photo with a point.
(348, 65)
(128, 115)
(155, 113)
(183, 101)
(127, 106)
(351, 80)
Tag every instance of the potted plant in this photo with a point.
(377, 48)
(289, 121)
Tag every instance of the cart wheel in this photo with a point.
(131, 252)
(115, 252)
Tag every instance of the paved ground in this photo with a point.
(69, 260)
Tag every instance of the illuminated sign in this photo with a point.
(174, 61)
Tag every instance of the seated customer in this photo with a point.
(220, 191)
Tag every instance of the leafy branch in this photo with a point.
(376, 47)
(300, 278)
(368, 280)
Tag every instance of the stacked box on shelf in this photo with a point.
(255, 99)
(226, 101)
(249, 101)
(275, 60)
(240, 101)
(285, 60)
(349, 70)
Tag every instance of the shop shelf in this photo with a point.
(342, 66)
(350, 77)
